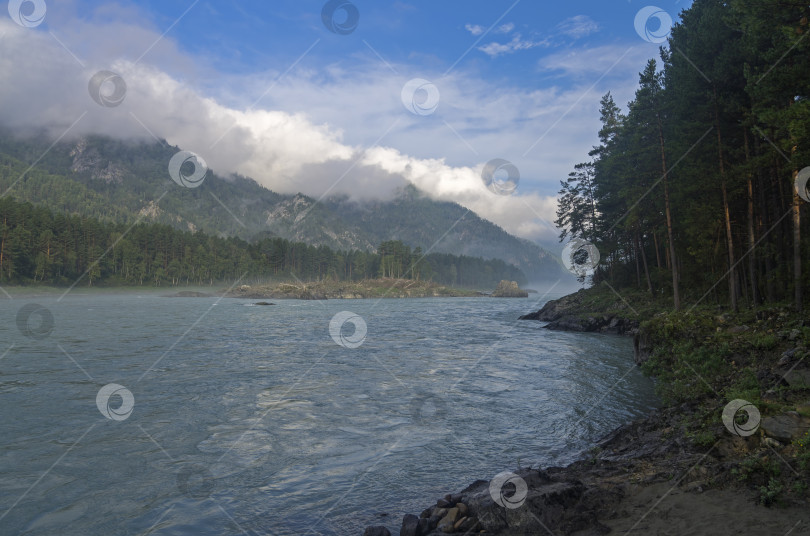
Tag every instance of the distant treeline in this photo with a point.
(42, 247)
(692, 189)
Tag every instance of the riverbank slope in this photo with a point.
(703, 464)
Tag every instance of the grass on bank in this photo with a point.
(707, 356)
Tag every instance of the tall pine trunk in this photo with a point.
(797, 247)
(676, 296)
(732, 271)
(751, 234)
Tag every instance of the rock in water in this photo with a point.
(509, 289)
(410, 526)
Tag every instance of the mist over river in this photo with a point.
(229, 418)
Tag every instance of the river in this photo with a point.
(222, 417)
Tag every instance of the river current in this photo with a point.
(131, 413)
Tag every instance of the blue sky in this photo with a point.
(263, 88)
(243, 36)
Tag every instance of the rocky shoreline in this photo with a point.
(565, 314)
(609, 491)
(677, 471)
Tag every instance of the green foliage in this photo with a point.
(39, 246)
(802, 446)
(690, 187)
(769, 495)
(764, 341)
(745, 387)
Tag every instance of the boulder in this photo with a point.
(798, 378)
(785, 427)
(410, 526)
(546, 503)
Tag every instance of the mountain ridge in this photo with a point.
(127, 181)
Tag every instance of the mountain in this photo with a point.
(126, 181)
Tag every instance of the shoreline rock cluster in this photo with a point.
(564, 315)
(600, 493)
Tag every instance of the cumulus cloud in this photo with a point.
(320, 132)
(505, 28)
(475, 29)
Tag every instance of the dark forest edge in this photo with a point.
(40, 247)
(695, 186)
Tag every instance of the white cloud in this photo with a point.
(475, 29)
(505, 28)
(620, 61)
(315, 126)
(578, 26)
(495, 49)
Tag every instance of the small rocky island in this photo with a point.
(343, 290)
(509, 289)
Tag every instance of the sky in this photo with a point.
(343, 97)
